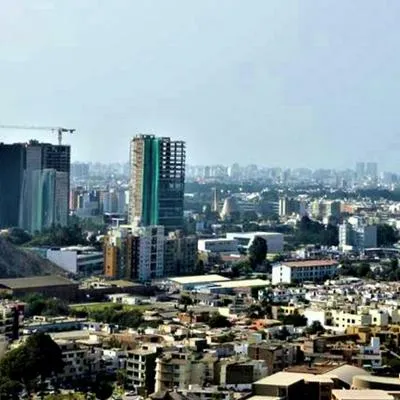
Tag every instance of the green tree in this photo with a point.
(185, 300)
(39, 305)
(39, 358)
(121, 377)
(282, 334)
(255, 311)
(394, 263)
(294, 319)
(278, 258)
(315, 328)
(242, 267)
(386, 235)
(363, 270)
(254, 292)
(59, 236)
(218, 321)
(10, 389)
(103, 388)
(18, 236)
(258, 251)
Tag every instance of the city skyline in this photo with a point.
(304, 82)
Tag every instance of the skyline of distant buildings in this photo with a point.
(366, 173)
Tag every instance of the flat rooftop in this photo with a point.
(310, 263)
(217, 240)
(283, 379)
(251, 234)
(264, 398)
(185, 280)
(315, 368)
(379, 379)
(364, 394)
(243, 283)
(35, 281)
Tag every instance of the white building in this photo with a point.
(190, 282)
(151, 252)
(79, 260)
(355, 234)
(324, 317)
(342, 319)
(219, 245)
(113, 360)
(245, 240)
(301, 271)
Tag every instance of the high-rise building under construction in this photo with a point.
(157, 181)
(45, 188)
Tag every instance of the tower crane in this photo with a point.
(59, 130)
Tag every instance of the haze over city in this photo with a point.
(295, 83)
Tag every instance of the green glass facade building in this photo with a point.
(157, 181)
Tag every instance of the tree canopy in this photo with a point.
(386, 235)
(39, 305)
(218, 321)
(294, 319)
(309, 231)
(315, 328)
(258, 251)
(59, 236)
(27, 365)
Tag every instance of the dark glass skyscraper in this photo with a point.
(12, 165)
(157, 181)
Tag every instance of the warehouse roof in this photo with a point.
(185, 280)
(243, 283)
(35, 281)
(283, 379)
(361, 394)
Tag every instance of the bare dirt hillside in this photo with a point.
(16, 262)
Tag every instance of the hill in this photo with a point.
(16, 262)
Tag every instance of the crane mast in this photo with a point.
(59, 130)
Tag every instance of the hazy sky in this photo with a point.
(274, 82)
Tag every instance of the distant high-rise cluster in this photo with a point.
(34, 182)
(152, 245)
(367, 172)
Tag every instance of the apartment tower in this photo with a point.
(157, 182)
(45, 188)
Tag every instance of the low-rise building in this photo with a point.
(49, 285)
(10, 318)
(218, 245)
(239, 375)
(113, 359)
(140, 367)
(302, 271)
(181, 368)
(277, 356)
(79, 360)
(78, 260)
(190, 282)
(245, 240)
(342, 319)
